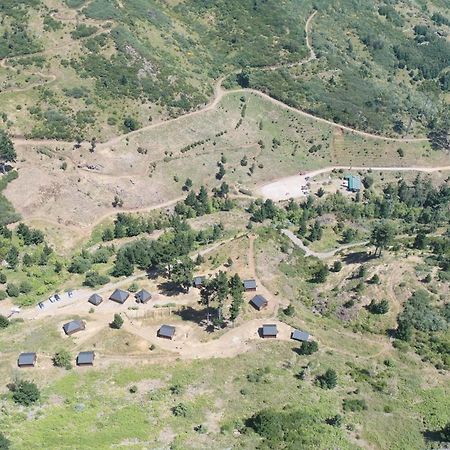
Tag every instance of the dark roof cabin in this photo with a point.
(250, 285)
(269, 331)
(166, 331)
(298, 335)
(119, 296)
(95, 299)
(143, 296)
(85, 359)
(73, 327)
(27, 360)
(198, 281)
(259, 302)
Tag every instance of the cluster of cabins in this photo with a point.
(120, 296)
(30, 359)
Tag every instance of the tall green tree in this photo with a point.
(382, 235)
(7, 151)
(182, 273)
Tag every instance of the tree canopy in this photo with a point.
(7, 151)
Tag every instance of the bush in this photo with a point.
(328, 380)
(335, 421)
(181, 410)
(79, 264)
(94, 279)
(308, 348)
(258, 375)
(63, 359)
(2, 278)
(117, 322)
(177, 389)
(130, 124)
(378, 308)
(289, 311)
(12, 290)
(321, 274)
(4, 442)
(4, 322)
(354, 404)
(25, 287)
(134, 287)
(3, 295)
(26, 393)
(133, 389)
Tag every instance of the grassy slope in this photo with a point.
(218, 392)
(160, 60)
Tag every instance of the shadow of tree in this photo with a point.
(170, 289)
(433, 436)
(198, 316)
(357, 258)
(191, 314)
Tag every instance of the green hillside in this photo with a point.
(81, 68)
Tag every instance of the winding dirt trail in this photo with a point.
(321, 255)
(219, 94)
(312, 53)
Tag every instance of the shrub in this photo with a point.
(25, 287)
(12, 290)
(63, 359)
(258, 375)
(379, 308)
(134, 287)
(308, 348)
(354, 404)
(321, 274)
(130, 124)
(289, 311)
(3, 295)
(26, 393)
(201, 429)
(177, 389)
(328, 380)
(117, 322)
(335, 421)
(4, 322)
(133, 389)
(181, 410)
(4, 442)
(79, 264)
(94, 279)
(2, 278)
